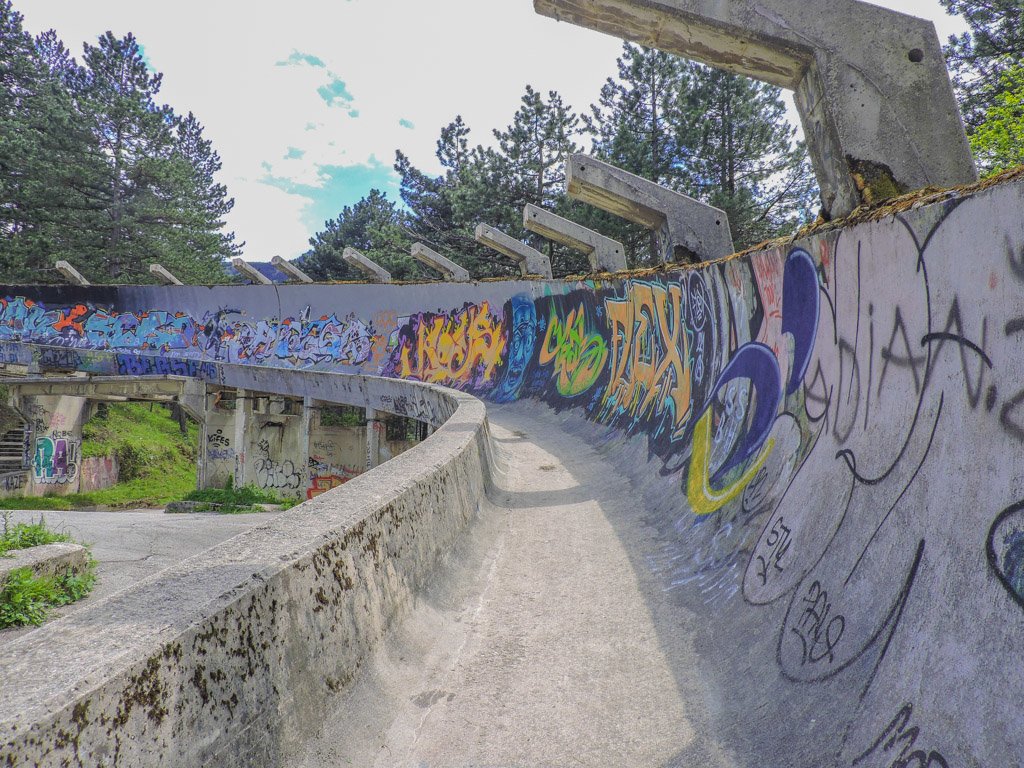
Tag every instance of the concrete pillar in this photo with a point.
(163, 275)
(605, 254)
(687, 229)
(243, 413)
(373, 429)
(871, 84)
(373, 271)
(289, 268)
(448, 268)
(248, 271)
(71, 274)
(304, 429)
(530, 260)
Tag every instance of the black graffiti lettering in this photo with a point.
(953, 333)
(898, 735)
(899, 329)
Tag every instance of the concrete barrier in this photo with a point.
(228, 658)
(824, 438)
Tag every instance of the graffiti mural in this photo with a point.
(55, 461)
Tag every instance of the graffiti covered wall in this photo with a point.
(834, 433)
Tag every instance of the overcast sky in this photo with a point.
(307, 104)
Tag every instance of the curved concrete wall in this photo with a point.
(229, 657)
(828, 435)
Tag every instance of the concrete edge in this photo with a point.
(230, 657)
(46, 560)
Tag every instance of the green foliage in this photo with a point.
(24, 535)
(980, 58)
(93, 169)
(157, 462)
(239, 500)
(27, 599)
(998, 141)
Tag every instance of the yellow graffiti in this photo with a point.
(650, 369)
(702, 497)
(578, 356)
(465, 347)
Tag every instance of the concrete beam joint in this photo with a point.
(250, 272)
(873, 92)
(448, 268)
(605, 254)
(530, 260)
(163, 275)
(687, 229)
(373, 271)
(291, 269)
(71, 274)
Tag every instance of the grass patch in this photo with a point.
(157, 462)
(238, 500)
(25, 535)
(26, 598)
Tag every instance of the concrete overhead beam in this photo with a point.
(248, 271)
(373, 271)
(870, 84)
(605, 254)
(290, 269)
(448, 268)
(163, 275)
(687, 229)
(71, 274)
(530, 260)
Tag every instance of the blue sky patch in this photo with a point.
(298, 57)
(406, 123)
(335, 92)
(294, 153)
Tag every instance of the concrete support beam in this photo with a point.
(605, 254)
(373, 271)
(243, 413)
(871, 85)
(71, 274)
(687, 229)
(250, 272)
(290, 269)
(373, 430)
(303, 438)
(163, 275)
(448, 268)
(530, 260)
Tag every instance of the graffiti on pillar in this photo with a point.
(56, 458)
(218, 446)
(272, 474)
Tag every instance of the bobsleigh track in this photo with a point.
(768, 511)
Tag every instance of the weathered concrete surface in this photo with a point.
(290, 269)
(45, 560)
(542, 642)
(227, 658)
(530, 260)
(871, 84)
(164, 275)
(71, 274)
(447, 268)
(605, 254)
(248, 271)
(687, 229)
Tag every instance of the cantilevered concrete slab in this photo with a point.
(248, 271)
(605, 254)
(291, 269)
(448, 268)
(871, 84)
(530, 260)
(71, 274)
(373, 271)
(687, 229)
(163, 275)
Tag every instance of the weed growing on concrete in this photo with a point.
(24, 535)
(232, 500)
(27, 599)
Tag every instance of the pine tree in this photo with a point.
(738, 153)
(979, 58)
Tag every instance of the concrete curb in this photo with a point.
(46, 560)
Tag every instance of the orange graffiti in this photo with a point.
(650, 368)
(465, 347)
